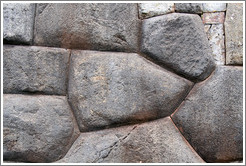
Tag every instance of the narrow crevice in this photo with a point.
(34, 23)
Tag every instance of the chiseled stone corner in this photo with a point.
(234, 34)
(37, 128)
(32, 69)
(18, 20)
(211, 117)
(213, 7)
(153, 142)
(147, 10)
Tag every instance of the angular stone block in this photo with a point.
(215, 35)
(154, 142)
(178, 41)
(37, 128)
(147, 10)
(90, 26)
(213, 7)
(18, 20)
(211, 118)
(234, 34)
(213, 18)
(35, 69)
(188, 7)
(107, 88)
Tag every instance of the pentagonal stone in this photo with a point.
(147, 10)
(188, 7)
(213, 7)
(234, 34)
(35, 69)
(18, 20)
(154, 142)
(37, 128)
(211, 118)
(92, 26)
(178, 41)
(107, 88)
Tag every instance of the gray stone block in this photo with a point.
(188, 7)
(107, 88)
(18, 20)
(35, 70)
(154, 142)
(211, 118)
(213, 7)
(37, 128)
(178, 41)
(90, 26)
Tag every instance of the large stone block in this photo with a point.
(147, 10)
(37, 128)
(154, 142)
(178, 41)
(18, 20)
(35, 69)
(91, 26)
(188, 7)
(211, 118)
(107, 88)
(234, 34)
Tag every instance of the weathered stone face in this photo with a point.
(147, 10)
(35, 69)
(108, 26)
(213, 18)
(213, 7)
(211, 118)
(108, 88)
(18, 20)
(178, 41)
(234, 34)
(188, 7)
(156, 141)
(37, 128)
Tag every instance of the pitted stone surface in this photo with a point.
(213, 18)
(188, 7)
(234, 34)
(153, 142)
(147, 10)
(93, 26)
(108, 88)
(35, 69)
(37, 128)
(18, 20)
(178, 41)
(211, 118)
(213, 7)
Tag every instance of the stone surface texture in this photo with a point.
(37, 128)
(156, 141)
(234, 34)
(216, 39)
(213, 18)
(35, 70)
(111, 88)
(213, 7)
(188, 7)
(18, 20)
(94, 26)
(180, 44)
(147, 10)
(211, 117)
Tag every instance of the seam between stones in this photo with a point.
(34, 23)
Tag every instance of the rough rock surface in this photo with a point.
(37, 128)
(108, 88)
(188, 7)
(213, 18)
(35, 69)
(234, 34)
(156, 141)
(211, 118)
(147, 10)
(213, 7)
(93, 26)
(215, 35)
(178, 42)
(18, 20)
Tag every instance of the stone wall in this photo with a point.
(123, 83)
